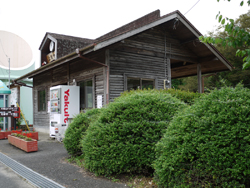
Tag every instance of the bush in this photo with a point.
(123, 139)
(208, 144)
(77, 129)
(185, 96)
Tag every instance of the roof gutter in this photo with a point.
(63, 59)
(15, 83)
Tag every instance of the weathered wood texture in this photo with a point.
(81, 70)
(142, 56)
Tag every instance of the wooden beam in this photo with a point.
(191, 69)
(207, 59)
(145, 52)
(189, 40)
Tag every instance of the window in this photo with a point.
(86, 94)
(139, 83)
(41, 100)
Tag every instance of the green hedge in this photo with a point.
(185, 96)
(77, 129)
(124, 137)
(208, 145)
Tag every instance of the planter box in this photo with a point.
(33, 135)
(4, 135)
(27, 146)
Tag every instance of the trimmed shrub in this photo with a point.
(124, 137)
(77, 129)
(208, 145)
(185, 96)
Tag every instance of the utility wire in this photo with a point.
(192, 7)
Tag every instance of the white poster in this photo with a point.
(99, 101)
(48, 106)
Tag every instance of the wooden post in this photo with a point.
(199, 78)
(169, 71)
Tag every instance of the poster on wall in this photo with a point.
(13, 96)
(99, 101)
(48, 106)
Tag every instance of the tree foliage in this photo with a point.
(208, 144)
(237, 74)
(226, 78)
(237, 37)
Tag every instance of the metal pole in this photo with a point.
(9, 72)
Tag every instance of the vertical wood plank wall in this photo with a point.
(141, 56)
(60, 76)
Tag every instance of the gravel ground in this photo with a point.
(49, 162)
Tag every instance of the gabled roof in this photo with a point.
(184, 31)
(55, 36)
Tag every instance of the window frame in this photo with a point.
(39, 109)
(93, 92)
(126, 77)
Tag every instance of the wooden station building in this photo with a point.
(146, 53)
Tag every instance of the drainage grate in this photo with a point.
(30, 175)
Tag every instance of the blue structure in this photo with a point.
(4, 96)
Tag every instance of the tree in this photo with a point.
(237, 36)
(237, 74)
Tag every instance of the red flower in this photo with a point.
(16, 127)
(0, 129)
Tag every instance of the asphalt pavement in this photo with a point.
(50, 162)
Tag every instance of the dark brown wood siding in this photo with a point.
(79, 71)
(144, 56)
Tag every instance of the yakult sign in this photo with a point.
(66, 106)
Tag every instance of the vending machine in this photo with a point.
(64, 105)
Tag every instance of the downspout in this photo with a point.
(107, 70)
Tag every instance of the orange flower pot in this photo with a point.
(28, 146)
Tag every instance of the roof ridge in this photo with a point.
(144, 20)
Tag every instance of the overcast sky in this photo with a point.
(31, 19)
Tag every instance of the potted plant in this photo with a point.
(16, 131)
(31, 134)
(23, 142)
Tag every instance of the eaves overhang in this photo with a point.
(70, 57)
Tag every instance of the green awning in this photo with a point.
(4, 89)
